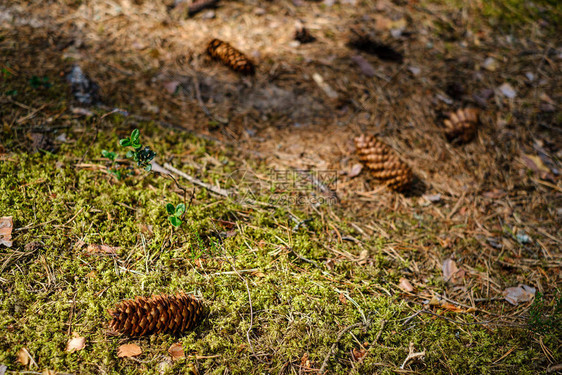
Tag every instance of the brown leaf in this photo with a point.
(101, 249)
(518, 294)
(6, 226)
(405, 285)
(451, 272)
(171, 86)
(305, 362)
(534, 163)
(342, 298)
(451, 307)
(23, 357)
(128, 350)
(176, 351)
(364, 65)
(494, 194)
(355, 170)
(49, 372)
(358, 354)
(76, 343)
(363, 257)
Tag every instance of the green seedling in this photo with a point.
(175, 213)
(143, 156)
(115, 169)
(37, 82)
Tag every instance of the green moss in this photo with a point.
(297, 307)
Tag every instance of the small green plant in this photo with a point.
(6, 73)
(143, 156)
(175, 213)
(115, 169)
(37, 82)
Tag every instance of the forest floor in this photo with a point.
(304, 264)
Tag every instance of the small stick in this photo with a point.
(167, 168)
(199, 5)
(412, 355)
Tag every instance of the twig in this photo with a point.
(380, 332)
(333, 348)
(304, 259)
(31, 115)
(199, 5)
(412, 355)
(168, 168)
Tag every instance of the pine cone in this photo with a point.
(157, 314)
(461, 125)
(385, 166)
(230, 56)
(304, 36)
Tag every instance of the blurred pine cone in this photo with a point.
(230, 56)
(383, 163)
(157, 314)
(304, 36)
(461, 125)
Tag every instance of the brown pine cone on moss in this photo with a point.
(461, 125)
(230, 56)
(383, 163)
(157, 314)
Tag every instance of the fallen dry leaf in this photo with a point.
(49, 372)
(451, 307)
(450, 271)
(23, 357)
(355, 170)
(102, 249)
(535, 163)
(518, 294)
(76, 343)
(176, 351)
(171, 86)
(6, 226)
(363, 257)
(305, 362)
(342, 298)
(358, 354)
(405, 285)
(128, 350)
(507, 91)
(364, 65)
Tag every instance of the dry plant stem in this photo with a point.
(333, 348)
(412, 355)
(199, 5)
(195, 181)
